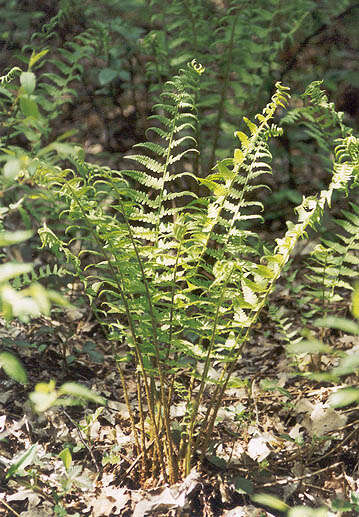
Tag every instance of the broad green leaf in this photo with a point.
(28, 82)
(355, 302)
(12, 168)
(312, 346)
(38, 293)
(264, 271)
(107, 75)
(347, 365)
(16, 304)
(344, 397)
(348, 326)
(77, 390)
(10, 238)
(271, 501)
(243, 485)
(57, 298)
(44, 396)
(25, 459)
(13, 367)
(28, 106)
(66, 457)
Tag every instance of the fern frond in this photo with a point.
(39, 274)
(7, 78)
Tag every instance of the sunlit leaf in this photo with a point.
(355, 302)
(28, 81)
(36, 56)
(344, 397)
(12, 168)
(312, 346)
(348, 326)
(66, 457)
(12, 269)
(13, 367)
(29, 106)
(271, 501)
(78, 390)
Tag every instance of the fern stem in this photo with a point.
(203, 380)
(172, 465)
(130, 324)
(142, 425)
(129, 409)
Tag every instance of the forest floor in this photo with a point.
(275, 435)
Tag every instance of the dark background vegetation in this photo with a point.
(117, 86)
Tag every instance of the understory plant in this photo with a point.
(178, 278)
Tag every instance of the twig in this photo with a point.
(299, 478)
(134, 463)
(79, 432)
(9, 508)
(338, 445)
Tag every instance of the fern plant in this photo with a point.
(333, 262)
(332, 270)
(178, 281)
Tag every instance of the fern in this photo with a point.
(284, 325)
(333, 264)
(42, 273)
(166, 273)
(7, 78)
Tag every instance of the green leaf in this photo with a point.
(107, 75)
(252, 127)
(28, 106)
(226, 173)
(57, 298)
(25, 459)
(66, 457)
(12, 269)
(347, 365)
(243, 485)
(13, 367)
(77, 390)
(12, 168)
(44, 396)
(344, 397)
(28, 82)
(355, 301)
(238, 157)
(348, 326)
(36, 57)
(312, 346)
(271, 501)
(10, 238)
(243, 138)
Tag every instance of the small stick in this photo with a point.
(79, 432)
(9, 508)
